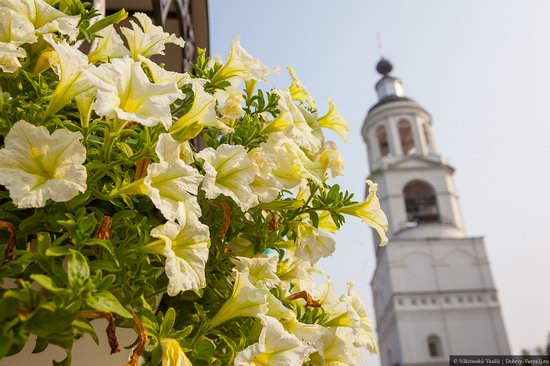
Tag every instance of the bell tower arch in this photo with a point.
(433, 289)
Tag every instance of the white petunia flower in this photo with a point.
(125, 92)
(261, 271)
(9, 57)
(326, 223)
(202, 112)
(172, 354)
(275, 347)
(330, 159)
(293, 165)
(298, 90)
(312, 244)
(285, 155)
(149, 39)
(339, 312)
(229, 171)
(241, 246)
(185, 246)
(364, 334)
(337, 349)
(298, 272)
(265, 185)
(310, 334)
(246, 301)
(370, 212)
(108, 47)
(163, 76)
(231, 108)
(36, 166)
(70, 65)
(277, 310)
(255, 69)
(15, 28)
(44, 17)
(300, 131)
(241, 64)
(171, 181)
(334, 120)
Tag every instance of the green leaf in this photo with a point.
(333, 193)
(106, 301)
(167, 323)
(47, 283)
(314, 218)
(106, 244)
(65, 362)
(125, 148)
(77, 269)
(205, 349)
(57, 251)
(182, 334)
(105, 283)
(41, 345)
(230, 343)
(46, 323)
(156, 355)
(108, 20)
(100, 264)
(44, 241)
(85, 327)
(281, 205)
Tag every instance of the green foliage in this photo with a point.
(66, 264)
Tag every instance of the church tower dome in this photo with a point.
(433, 291)
(401, 147)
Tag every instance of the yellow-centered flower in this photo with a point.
(44, 17)
(275, 347)
(148, 39)
(125, 92)
(36, 166)
(370, 212)
(246, 301)
(334, 121)
(241, 64)
(229, 171)
(298, 91)
(172, 354)
(108, 47)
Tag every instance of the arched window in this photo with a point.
(421, 203)
(434, 346)
(383, 142)
(406, 137)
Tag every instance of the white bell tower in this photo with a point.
(433, 291)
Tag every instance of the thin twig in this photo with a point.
(138, 350)
(141, 168)
(226, 218)
(8, 226)
(111, 326)
(104, 230)
(310, 302)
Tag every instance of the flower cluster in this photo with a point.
(193, 207)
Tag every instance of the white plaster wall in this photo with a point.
(442, 287)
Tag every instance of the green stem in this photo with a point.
(110, 137)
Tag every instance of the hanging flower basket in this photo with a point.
(108, 211)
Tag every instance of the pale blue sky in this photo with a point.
(481, 67)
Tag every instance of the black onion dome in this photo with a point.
(384, 67)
